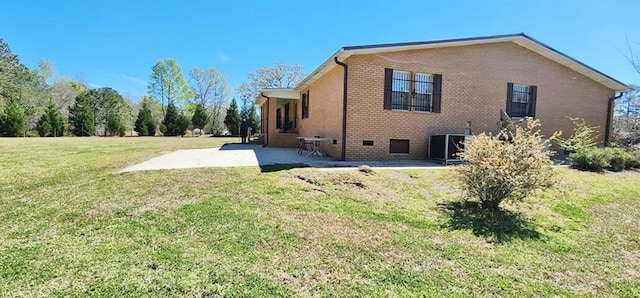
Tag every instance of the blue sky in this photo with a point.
(115, 43)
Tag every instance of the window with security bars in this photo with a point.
(400, 99)
(423, 86)
(411, 92)
(521, 100)
(406, 91)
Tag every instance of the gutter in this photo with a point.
(344, 108)
(610, 105)
(266, 135)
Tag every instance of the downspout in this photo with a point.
(610, 105)
(344, 109)
(266, 135)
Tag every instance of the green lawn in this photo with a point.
(72, 226)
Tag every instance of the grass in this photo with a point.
(72, 226)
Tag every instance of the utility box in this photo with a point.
(445, 148)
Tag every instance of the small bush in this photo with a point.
(589, 159)
(583, 137)
(498, 170)
(617, 158)
(634, 159)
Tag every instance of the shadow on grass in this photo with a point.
(497, 225)
(282, 167)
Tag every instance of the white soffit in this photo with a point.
(520, 39)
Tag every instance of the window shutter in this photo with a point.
(437, 93)
(308, 103)
(532, 99)
(304, 105)
(388, 85)
(509, 98)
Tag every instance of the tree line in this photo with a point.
(36, 102)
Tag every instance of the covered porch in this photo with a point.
(279, 117)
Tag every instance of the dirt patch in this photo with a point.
(402, 177)
(319, 228)
(315, 264)
(613, 218)
(332, 179)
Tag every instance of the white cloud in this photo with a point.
(94, 86)
(223, 58)
(134, 80)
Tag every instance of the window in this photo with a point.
(406, 91)
(305, 105)
(398, 146)
(521, 100)
(400, 96)
(423, 92)
(278, 118)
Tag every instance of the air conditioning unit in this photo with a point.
(445, 148)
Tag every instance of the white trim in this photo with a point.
(521, 40)
(284, 93)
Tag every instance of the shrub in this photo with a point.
(582, 138)
(589, 159)
(616, 158)
(634, 159)
(498, 170)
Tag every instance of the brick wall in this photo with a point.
(474, 88)
(325, 111)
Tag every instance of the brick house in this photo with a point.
(382, 102)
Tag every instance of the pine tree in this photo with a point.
(13, 122)
(115, 125)
(51, 124)
(253, 120)
(81, 116)
(233, 118)
(174, 122)
(145, 124)
(200, 117)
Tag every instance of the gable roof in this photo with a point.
(520, 39)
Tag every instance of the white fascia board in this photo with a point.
(286, 93)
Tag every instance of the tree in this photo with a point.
(81, 117)
(251, 116)
(232, 119)
(12, 122)
(110, 110)
(175, 122)
(13, 75)
(168, 85)
(145, 124)
(17, 82)
(626, 119)
(115, 125)
(212, 92)
(51, 123)
(200, 117)
(155, 106)
(280, 75)
(64, 92)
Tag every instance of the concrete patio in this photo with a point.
(251, 155)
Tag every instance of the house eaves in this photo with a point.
(285, 93)
(520, 39)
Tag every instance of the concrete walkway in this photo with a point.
(250, 155)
